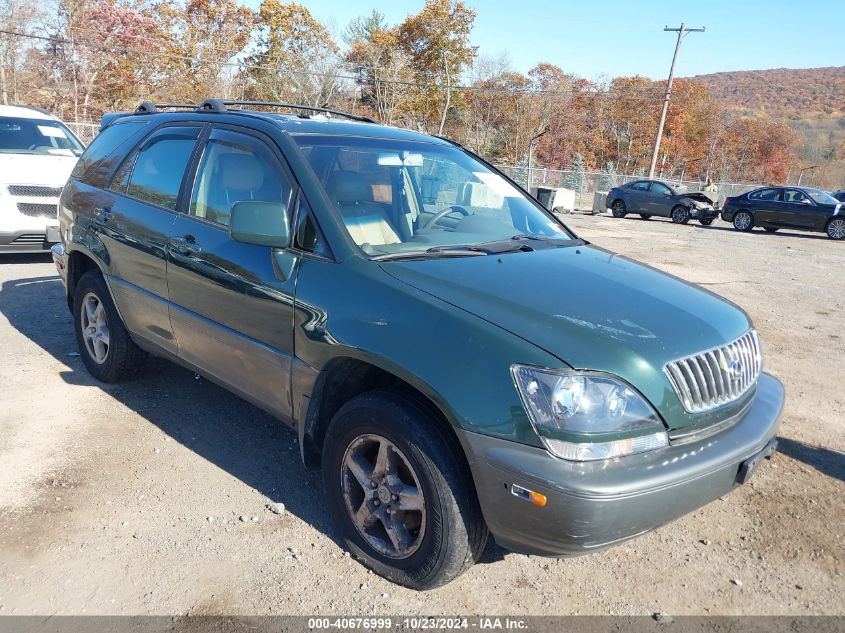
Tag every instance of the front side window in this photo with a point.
(660, 188)
(821, 197)
(237, 168)
(37, 136)
(160, 166)
(399, 197)
(794, 195)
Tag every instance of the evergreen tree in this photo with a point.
(576, 177)
(607, 181)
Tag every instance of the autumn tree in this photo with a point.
(436, 41)
(295, 59)
(16, 16)
(201, 41)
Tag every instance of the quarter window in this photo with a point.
(237, 168)
(160, 166)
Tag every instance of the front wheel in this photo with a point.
(836, 229)
(743, 221)
(618, 209)
(400, 493)
(109, 353)
(680, 215)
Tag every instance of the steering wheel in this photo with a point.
(444, 212)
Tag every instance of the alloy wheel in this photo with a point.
(679, 215)
(383, 496)
(95, 328)
(742, 221)
(836, 229)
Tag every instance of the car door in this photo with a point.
(659, 201)
(636, 195)
(798, 210)
(765, 204)
(231, 302)
(135, 216)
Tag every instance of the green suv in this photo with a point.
(455, 360)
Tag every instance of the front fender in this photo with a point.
(459, 361)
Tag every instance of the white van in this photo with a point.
(37, 154)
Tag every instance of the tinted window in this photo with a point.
(37, 136)
(764, 194)
(105, 144)
(660, 188)
(639, 186)
(237, 168)
(158, 171)
(121, 177)
(794, 195)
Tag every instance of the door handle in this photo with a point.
(102, 215)
(186, 245)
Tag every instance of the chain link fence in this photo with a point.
(86, 132)
(586, 183)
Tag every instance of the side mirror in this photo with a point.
(260, 223)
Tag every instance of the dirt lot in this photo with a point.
(129, 498)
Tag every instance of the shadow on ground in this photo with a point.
(827, 461)
(236, 436)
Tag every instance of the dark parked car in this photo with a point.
(650, 198)
(452, 357)
(773, 208)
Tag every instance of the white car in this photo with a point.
(37, 154)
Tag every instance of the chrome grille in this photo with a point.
(35, 210)
(717, 376)
(35, 191)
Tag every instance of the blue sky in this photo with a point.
(617, 37)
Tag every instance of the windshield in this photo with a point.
(401, 197)
(37, 136)
(821, 197)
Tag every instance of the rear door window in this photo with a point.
(769, 194)
(101, 157)
(160, 166)
(639, 186)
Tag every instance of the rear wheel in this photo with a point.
(743, 221)
(109, 353)
(618, 209)
(400, 493)
(836, 228)
(680, 215)
(645, 216)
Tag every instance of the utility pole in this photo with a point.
(801, 173)
(682, 30)
(531, 156)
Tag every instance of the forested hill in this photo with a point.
(781, 93)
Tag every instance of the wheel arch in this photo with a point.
(78, 264)
(345, 377)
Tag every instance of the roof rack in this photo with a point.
(219, 105)
(148, 107)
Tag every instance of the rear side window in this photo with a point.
(158, 171)
(764, 194)
(101, 157)
(640, 186)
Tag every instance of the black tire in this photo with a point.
(122, 358)
(835, 228)
(680, 214)
(454, 531)
(743, 221)
(706, 221)
(770, 229)
(645, 216)
(618, 209)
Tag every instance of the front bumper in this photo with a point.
(593, 505)
(29, 241)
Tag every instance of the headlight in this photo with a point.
(583, 416)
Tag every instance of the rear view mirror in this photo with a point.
(393, 159)
(261, 223)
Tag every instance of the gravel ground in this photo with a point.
(150, 497)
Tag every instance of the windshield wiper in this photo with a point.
(435, 252)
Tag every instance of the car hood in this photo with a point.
(590, 308)
(35, 169)
(698, 197)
